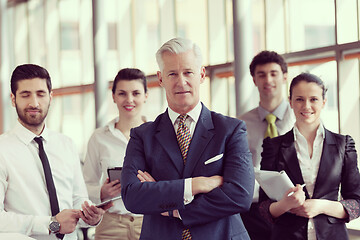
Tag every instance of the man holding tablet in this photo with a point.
(42, 190)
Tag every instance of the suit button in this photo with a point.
(131, 219)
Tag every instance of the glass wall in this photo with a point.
(327, 72)
(311, 24)
(321, 37)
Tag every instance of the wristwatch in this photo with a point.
(54, 226)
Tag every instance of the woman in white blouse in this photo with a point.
(322, 160)
(106, 149)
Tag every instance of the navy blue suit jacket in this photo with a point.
(215, 215)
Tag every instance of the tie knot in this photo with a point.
(270, 118)
(182, 118)
(38, 140)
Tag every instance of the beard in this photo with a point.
(31, 120)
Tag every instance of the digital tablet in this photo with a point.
(102, 204)
(114, 173)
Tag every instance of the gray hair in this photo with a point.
(178, 45)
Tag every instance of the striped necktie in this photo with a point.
(184, 138)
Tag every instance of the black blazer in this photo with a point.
(338, 167)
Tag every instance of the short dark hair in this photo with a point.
(310, 78)
(28, 71)
(265, 57)
(129, 74)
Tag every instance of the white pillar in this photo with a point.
(100, 51)
(242, 55)
(7, 114)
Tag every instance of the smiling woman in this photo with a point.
(312, 155)
(307, 99)
(106, 149)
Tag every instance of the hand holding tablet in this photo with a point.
(114, 173)
(104, 203)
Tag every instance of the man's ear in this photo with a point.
(202, 74)
(158, 73)
(13, 103)
(113, 97)
(253, 78)
(51, 96)
(285, 77)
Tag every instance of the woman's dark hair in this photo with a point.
(265, 57)
(310, 78)
(129, 74)
(28, 71)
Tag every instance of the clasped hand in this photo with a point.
(299, 205)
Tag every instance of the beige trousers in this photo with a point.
(120, 227)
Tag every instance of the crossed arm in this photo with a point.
(216, 197)
(198, 185)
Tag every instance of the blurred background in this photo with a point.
(84, 43)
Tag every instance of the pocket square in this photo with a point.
(213, 159)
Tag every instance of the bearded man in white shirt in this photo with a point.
(24, 180)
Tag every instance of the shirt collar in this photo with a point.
(194, 113)
(114, 131)
(320, 132)
(26, 136)
(279, 112)
(111, 125)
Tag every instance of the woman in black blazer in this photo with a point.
(325, 161)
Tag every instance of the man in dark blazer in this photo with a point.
(199, 193)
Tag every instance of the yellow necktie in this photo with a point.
(271, 130)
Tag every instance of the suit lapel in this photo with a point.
(167, 138)
(288, 151)
(201, 137)
(328, 158)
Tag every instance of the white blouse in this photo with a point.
(309, 165)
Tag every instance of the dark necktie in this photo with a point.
(184, 137)
(49, 180)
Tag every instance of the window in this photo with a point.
(69, 36)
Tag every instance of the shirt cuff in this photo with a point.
(188, 197)
(178, 213)
(41, 225)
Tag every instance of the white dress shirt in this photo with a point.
(256, 126)
(24, 200)
(106, 149)
(190, 122)
(309, 165)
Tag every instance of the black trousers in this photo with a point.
(255, 224)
